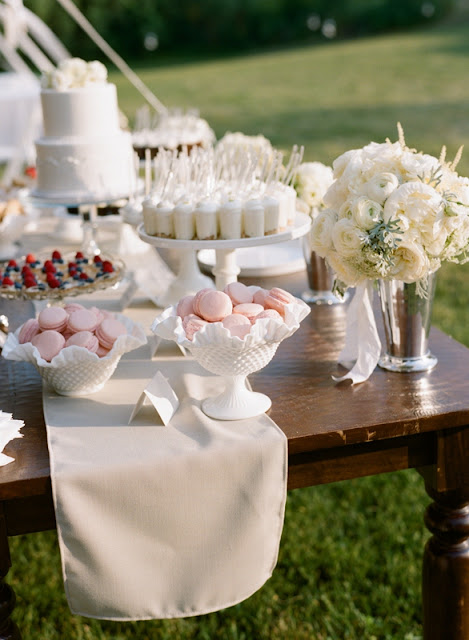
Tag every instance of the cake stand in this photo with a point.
(189, 279)
(88, 210)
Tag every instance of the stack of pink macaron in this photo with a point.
(238, 307)
(57, 328)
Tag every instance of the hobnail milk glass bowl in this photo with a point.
(233, 358)
(75, 371)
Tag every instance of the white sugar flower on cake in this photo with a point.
(74, 73)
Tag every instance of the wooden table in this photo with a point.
(335, 432)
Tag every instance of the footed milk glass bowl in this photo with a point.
(233, 358)
(75, 371)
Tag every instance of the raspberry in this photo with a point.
(53, 283)
(30, 258)
(97, 259)
(7, 282)
(79, 255)
(26, 269)
(83, 276)
(49, 267)
(56, 255)
(107, 267)
(12, 263)
(29, 282)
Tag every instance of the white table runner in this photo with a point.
(162, 522)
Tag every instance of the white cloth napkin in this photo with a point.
(362, 344)
(9, 430)
(162, 521)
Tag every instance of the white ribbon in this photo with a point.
(362, 344)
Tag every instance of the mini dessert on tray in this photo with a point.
(55, 276)
(232, 339)
(75, 349)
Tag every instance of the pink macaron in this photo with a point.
(84, 339)
(249, 309)
(277, 299)
(214, 306)
(28, 331)
(185, 306)
(238, 292)
(101, 351)
(49, 343)
(197, 298)
(259, 296)
(53, 318)
(269, 313)
(82, 320)
(191, 324)
(237, 325)
(108, 332)
(73, 306)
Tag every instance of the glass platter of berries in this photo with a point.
(55, 276)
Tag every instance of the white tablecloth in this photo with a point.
(20, 115)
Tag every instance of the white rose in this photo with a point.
(380, 186)
(366, 213)
(410, 262)
(321, 232)
(347, 238)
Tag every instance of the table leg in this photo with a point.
(446, 566)
(8, 629)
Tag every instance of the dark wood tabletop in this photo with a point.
(335, 431)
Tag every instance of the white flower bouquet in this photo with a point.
(392, 213)
(312, 180)
(74, 73)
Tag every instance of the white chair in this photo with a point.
(23, 36)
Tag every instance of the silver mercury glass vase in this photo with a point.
(320, 277)
(407, 319)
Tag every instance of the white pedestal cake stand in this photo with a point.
(189, 279)
(88, 212)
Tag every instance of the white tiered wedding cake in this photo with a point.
(83, 155)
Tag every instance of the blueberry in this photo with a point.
(59, 273)
(89, 280)
(18, 285)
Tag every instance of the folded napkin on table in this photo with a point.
(162, 522)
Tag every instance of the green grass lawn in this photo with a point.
(349, 565)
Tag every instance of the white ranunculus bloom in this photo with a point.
(366, 213)
(321, 232)
(347, 238)
(345, 270)
(415, 200)
(380, 186)
(410, 262)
